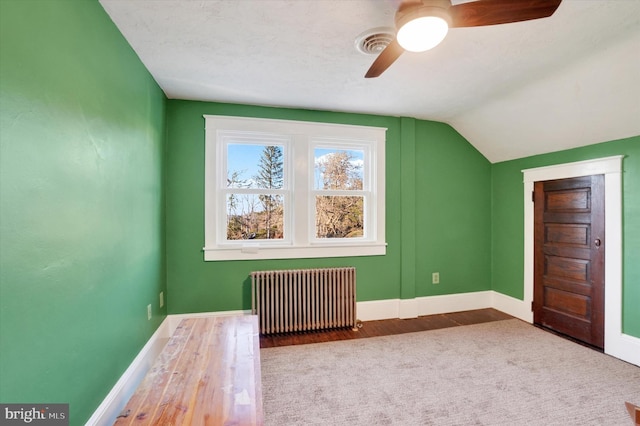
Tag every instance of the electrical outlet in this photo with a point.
(435, 278)
(149, 311)
(161, 299)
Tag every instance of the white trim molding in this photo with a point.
(616, 343)
(110, 408)
(427, 305)
(512, 306)
(378, 309)
(441, 304)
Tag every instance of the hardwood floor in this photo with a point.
(386, 327)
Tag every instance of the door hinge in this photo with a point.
(532, 306)
(533, 196)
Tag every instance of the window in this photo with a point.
(254, 193)
(277, 189)
(339, 191)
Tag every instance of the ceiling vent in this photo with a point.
(373, 41)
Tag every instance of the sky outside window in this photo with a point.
(355, 169)
(244, 159)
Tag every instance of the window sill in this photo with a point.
(293, 252)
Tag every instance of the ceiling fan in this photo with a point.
(422, 24)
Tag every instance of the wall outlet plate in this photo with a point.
(149, 311)
(435, 278)
(161, 299)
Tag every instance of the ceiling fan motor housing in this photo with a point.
(437, 8)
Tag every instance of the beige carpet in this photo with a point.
(499, 373)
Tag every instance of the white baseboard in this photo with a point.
(624, 347)
(433, 305)
(378, 309)
(409, 308)
(512, 306)
(116, 399)
(429, 305)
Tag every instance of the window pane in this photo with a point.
(338, 169)
(339, 217)
(255, 217)
(255, 166)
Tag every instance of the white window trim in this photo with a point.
(303, 135)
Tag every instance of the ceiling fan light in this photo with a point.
(422, 33)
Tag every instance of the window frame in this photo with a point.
(299, 221)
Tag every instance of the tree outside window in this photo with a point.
(339, 216)
(254, 214)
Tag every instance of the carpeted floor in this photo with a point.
(499, 373)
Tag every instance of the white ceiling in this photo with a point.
(511, 90)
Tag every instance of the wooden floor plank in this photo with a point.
(386, 328)
(139, 409)
(172, 406)
(208, 374)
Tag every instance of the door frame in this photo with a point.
(616, 343)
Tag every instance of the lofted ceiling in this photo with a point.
(511, 90)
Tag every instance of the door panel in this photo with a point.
(576, 235)
(569, 257)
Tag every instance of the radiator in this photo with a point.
(304, 299)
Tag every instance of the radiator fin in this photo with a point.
(304, 299)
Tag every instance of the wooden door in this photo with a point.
(569, 245)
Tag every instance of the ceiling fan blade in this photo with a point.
(384, 60)
(493, 12)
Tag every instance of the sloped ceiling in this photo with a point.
(511, 90)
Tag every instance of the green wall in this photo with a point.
(508, 220)
(453, 208)
(81, 207)
(97, 202)
(426, 162)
